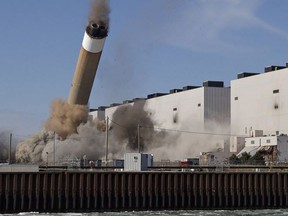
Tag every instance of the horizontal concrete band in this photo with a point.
(92, 45)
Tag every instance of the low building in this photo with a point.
(273, 148)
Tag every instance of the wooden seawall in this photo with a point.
(66, 191)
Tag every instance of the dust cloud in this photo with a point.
(88, 139)
(65, 118)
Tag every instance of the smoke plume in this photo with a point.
(185, 141)
(65, 118)
(127, 119)
(99, 12)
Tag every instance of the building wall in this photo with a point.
(193, 109)
(98, 114)
(217, 106)
(282, 147)
(195, 115)
(260, 102)
(178, 110)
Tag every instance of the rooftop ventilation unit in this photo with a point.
(92, 110)
(156, 95)
(185, 88)
(127, 101)
(273, 68)
(219, 84)
(102, 107)
(245, 74)
(114, 104)
(138, 99)
(175, 91)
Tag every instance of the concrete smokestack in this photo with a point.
(87, 64)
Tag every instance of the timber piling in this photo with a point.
(85, 191)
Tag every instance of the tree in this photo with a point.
(257, 159)
(234, 159)
(245, 157)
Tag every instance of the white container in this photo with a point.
(137, 161)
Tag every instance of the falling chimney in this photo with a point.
(87, 64)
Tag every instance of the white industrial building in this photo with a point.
(259, 102)
(197, 113)
(191, 108)
(255, 102)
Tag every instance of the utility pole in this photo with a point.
(10, 144)
(54, 149)
(138, 136)
(47, 159)
(106, 141)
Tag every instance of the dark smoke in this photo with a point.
(99, 12)
(125, 126)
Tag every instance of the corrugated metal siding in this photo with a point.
(132, 162)
(217, 105)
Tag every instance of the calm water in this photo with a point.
(166, 213)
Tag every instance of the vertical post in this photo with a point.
(138, 136)
(54, 149)
(10, 144)
(106, 141)
(47, 159)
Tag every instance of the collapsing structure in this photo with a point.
(87, 64)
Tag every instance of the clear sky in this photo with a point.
(153, 46)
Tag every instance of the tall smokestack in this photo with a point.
(88, 61)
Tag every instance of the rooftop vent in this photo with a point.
(114, 104)
(189, 87)
(245, 74)
(213, 84)
(156, 95)
(127, 101)
(102, 107)
(175, 91)
(273, 68)
(137, 99)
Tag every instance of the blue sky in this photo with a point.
(153, 46)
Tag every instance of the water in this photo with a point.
(270, 212)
